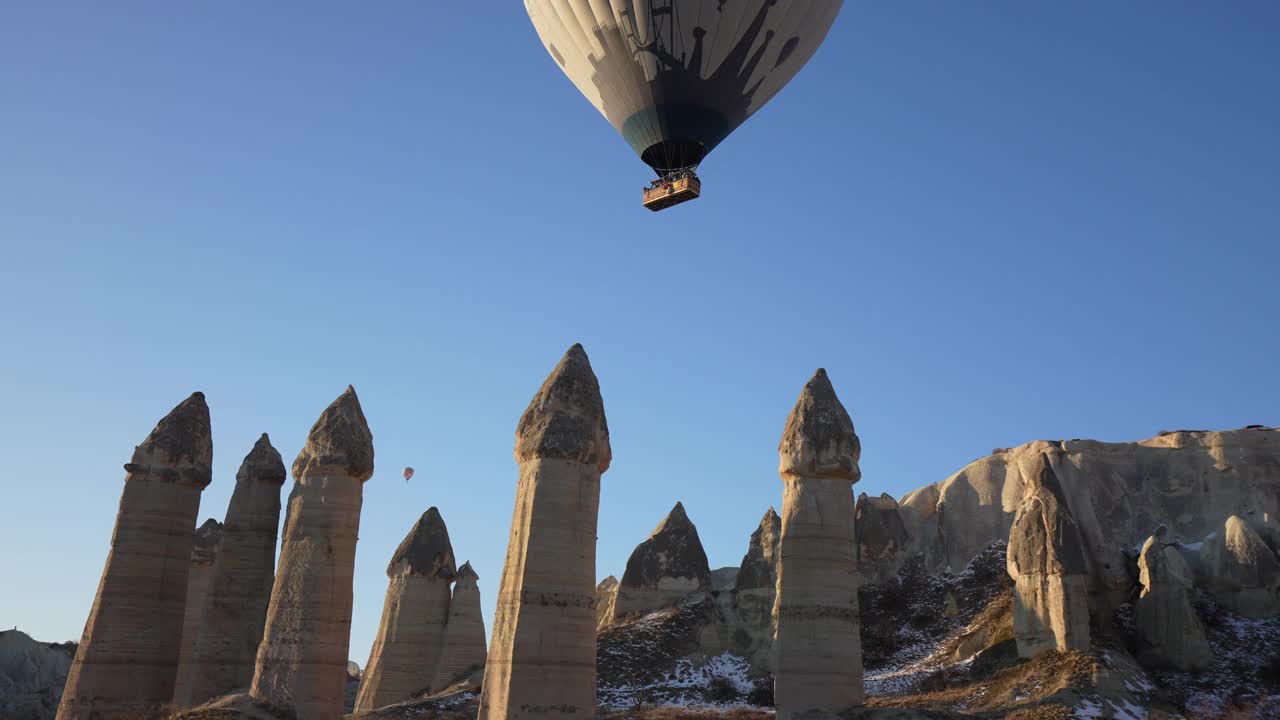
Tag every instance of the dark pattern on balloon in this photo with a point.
(691, 114)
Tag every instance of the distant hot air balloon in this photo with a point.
(407, 472)
(675, 77)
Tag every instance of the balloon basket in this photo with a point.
(672, 190)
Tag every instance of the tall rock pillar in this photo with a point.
(756, 591)
(127, 660)
(542, 658)
(464, 645)
(1047, 563)
(302, 660)
(817, 645)
(227, 642)
(204, 556)
(606, 600)
(406, 652)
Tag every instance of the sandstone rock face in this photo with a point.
(127, 660)
(1191, 481)
(464, 643)
(1047, 563)
(1241, 570)
(953, 521)
(302, 659)
(406, 651)
(817, 647)
(665, 569)
(918, 510)
(240, 590)
(1169, 632)
(203, 556)
(542, 660)
(755, 590)
(606, 599)
(883, 542)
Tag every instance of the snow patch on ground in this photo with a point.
(1098, 707)
(687, 685)
(1244, 671)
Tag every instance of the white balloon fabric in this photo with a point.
(675, 77)
(407, 472)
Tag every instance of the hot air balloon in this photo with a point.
(407, 472)
(675, 77)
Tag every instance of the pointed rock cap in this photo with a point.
(759, 568)
(426, 550)
(262, 464)
(672, 551)
(607, 584)
(340, 442)
(207, 538)
(179, 449)
(565, 420)
(819, 440)
(466, 574)
(676, 519)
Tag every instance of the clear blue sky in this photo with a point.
(991, 222)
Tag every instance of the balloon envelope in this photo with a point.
(675, 77)
(408, 473)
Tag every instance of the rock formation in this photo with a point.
(464, 644)
(302, 660)
(724, 584)
(817, 647)
(1190, 480)
(882, 538)
(31, 676)
(606, 598)
(203, 555)
(542, 660)
(1047, 563)
(127, 660)
(755, 590)
(665, 569)
(1241, 570)
(1169, 632)
(406, 651)
(227, 643)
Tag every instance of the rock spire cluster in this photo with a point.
(407, 651)
(232, 620)
(465, 649)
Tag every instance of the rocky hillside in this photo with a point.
(31, 675)
(939, 606)
(1190, 480)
